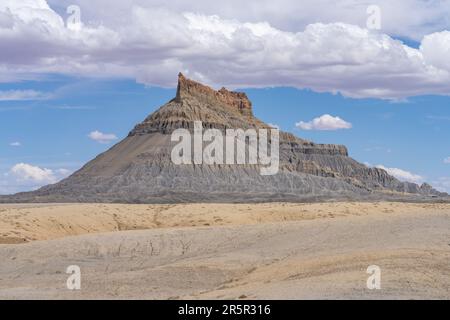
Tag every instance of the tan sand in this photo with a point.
(27, 222)
(236, 251)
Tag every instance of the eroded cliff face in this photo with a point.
(196, 102)
(139, 168)
(220, 109)
(235, 101)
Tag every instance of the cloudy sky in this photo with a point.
(76, 75)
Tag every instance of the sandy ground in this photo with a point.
(225, 251)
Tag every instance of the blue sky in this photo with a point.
(374, 76)
(411, 135)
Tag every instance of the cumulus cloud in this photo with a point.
(325, 122)
(275, 126)
(15, 144)
(102, 137)
(402, 175)
(405, 18)
(447, 160)
(24, 172)
(151, 44)
(25, 177)
(21, 95)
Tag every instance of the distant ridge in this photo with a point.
(139, 169)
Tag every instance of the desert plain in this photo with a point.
(226, 251)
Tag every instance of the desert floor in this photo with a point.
(225, 251)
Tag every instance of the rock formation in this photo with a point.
(139, 168)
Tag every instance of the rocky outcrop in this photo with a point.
(236, 101)
(196, 102)
(139, 168)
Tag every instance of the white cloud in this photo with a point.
(151, 44)
(325, 122)
(24, 171)
(436, 49)
(102, 137)
(402, 174)
(405, 18)
(26, 177)
(447, 160)
(22, 95)
(15, 144)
